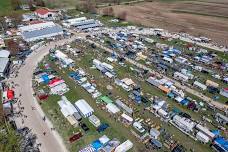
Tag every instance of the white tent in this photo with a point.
(126, 117)
(112, 108)
(125, 146)
(200, 85)
(202, 137)
(84, 108)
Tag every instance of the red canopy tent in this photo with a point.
(10, 94)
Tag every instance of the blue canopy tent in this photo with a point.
(96, 144)
(184, 102)
(45, 78)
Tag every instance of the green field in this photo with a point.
(5, 7)
(76, 92)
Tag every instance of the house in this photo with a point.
(84, 108)
(45, 13)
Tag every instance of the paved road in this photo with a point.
(218, 105)
(51, 141)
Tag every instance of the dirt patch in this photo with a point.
(197, 18)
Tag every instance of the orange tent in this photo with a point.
(164, 89)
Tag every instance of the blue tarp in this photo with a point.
(184, 102)
(171, 95)
(156, 143)
(96, 144)
(45, 78)
(216, 132)
(221, 142)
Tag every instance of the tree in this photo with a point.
(9, 141)
(122, 16)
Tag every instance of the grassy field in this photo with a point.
(5, 7)
(117, 129)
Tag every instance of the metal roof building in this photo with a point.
(42, 33)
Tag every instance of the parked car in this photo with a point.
(84, 127)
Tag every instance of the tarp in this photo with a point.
(55, 82)
(164, 89)
(106, 99)
(45, 78)
(96, 144)
(10, 94)
(222, 143)
(184, 102)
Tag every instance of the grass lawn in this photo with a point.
(5, 7)
(7, 10)
(52, 110)
(86, 62)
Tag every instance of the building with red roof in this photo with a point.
(45, 13)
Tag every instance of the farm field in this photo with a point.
(206, 17)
